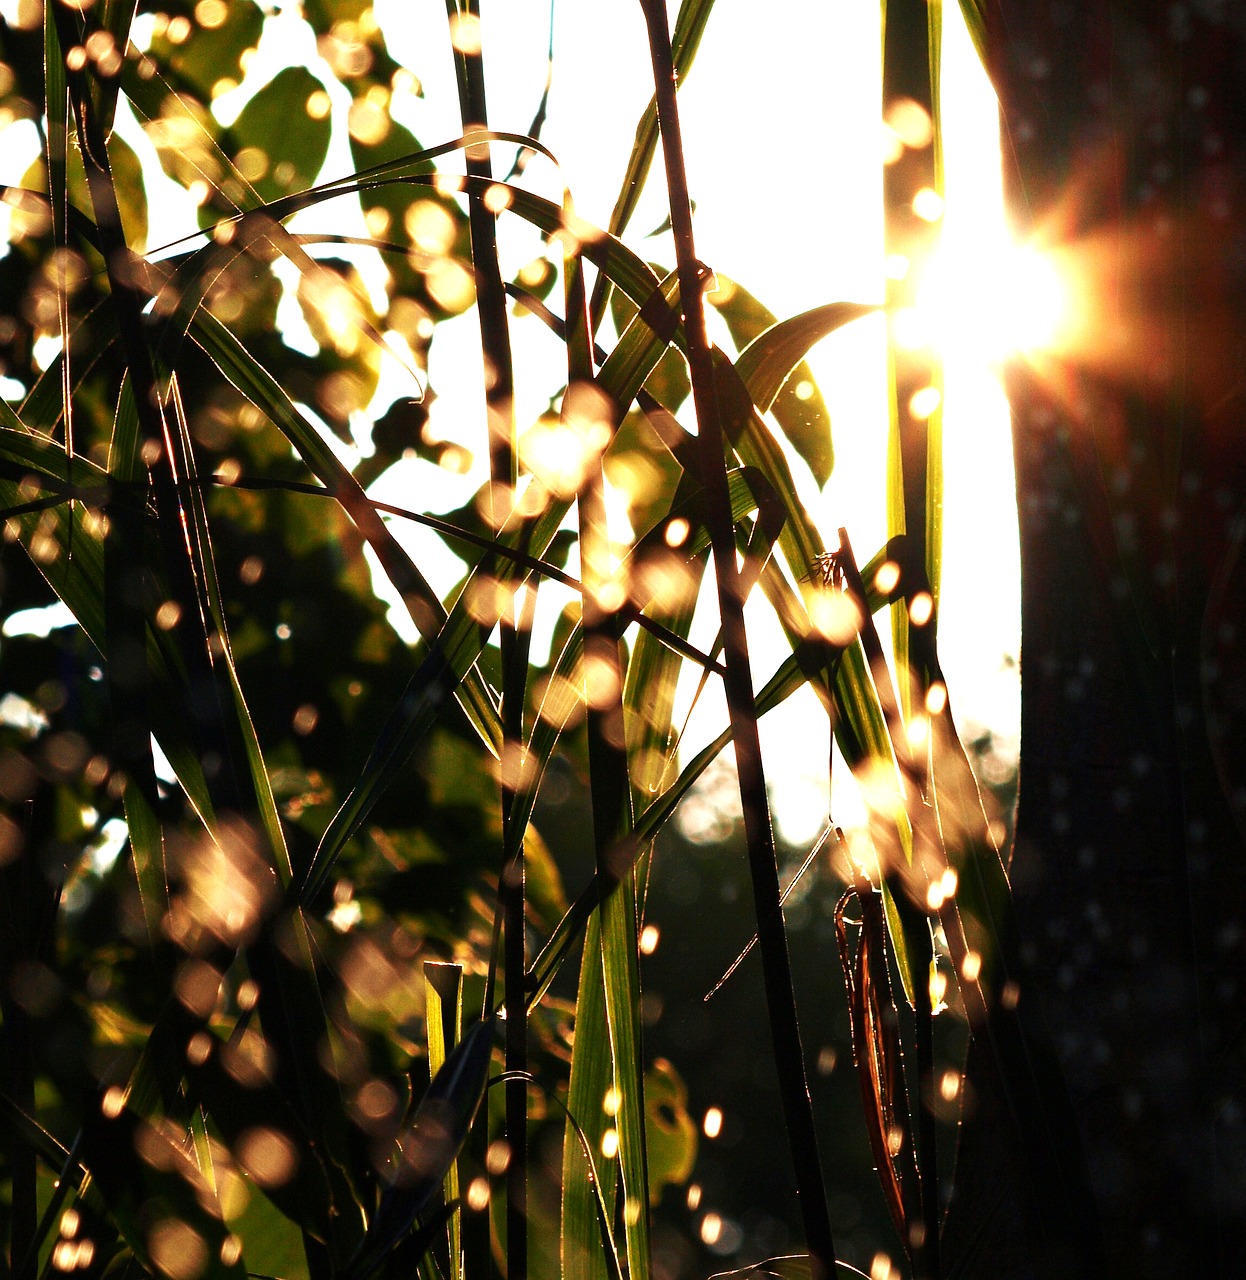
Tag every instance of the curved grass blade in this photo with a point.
(767, 362)
(772, 365)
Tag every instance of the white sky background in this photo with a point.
(781, 118)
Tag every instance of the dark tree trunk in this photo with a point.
(1125, 125)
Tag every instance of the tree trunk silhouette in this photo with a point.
(1125, 142)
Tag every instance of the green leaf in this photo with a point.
(260, 1127)
(209, 54)
(670, 1132)
(771, 364)
(127, 172)
(278, 143)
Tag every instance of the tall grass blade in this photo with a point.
(218, 636)
(443, 1021)
(592, 1076)
(56, 108)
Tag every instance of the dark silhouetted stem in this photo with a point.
(499, 398)
(776, 965)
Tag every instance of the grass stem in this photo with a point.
(776, 964)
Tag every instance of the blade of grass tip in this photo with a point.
(785, 1030)
(690, 24)
(443, 1019)
(464, 15)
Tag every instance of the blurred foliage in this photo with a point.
(205, 1069)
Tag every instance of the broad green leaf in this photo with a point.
(281, 137)
(772, 366)
(207, 54)
(127, 172)
(796, 403)
(274, 1245)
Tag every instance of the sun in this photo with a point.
(994, 301)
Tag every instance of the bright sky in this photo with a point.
(783, 138)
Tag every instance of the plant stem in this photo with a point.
(742, 710)
(513, 637)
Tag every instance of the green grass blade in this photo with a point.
(690, 24)
(770, 358)
(200, 541)
(443, 1020)
(772, 365)
(583, 1257)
